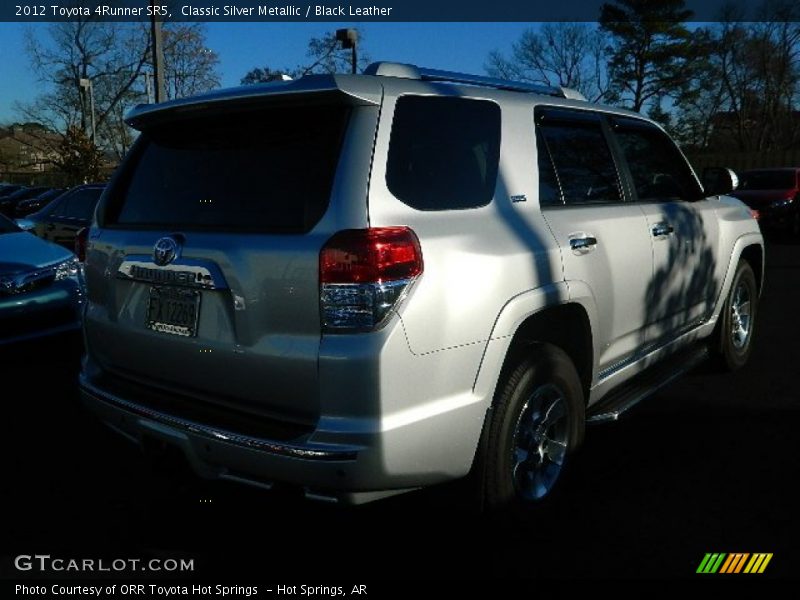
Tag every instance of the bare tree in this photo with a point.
(110, 55)
(746, 95)
(114, 58)
(324, 55)
(563, 54)
(190, 65)
(759, 65)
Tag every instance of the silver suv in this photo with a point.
(361, 285)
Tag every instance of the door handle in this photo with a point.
(583, 244)
(663, 230)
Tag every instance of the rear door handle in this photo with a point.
(663, 230)
(583, 244)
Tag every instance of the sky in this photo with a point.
(243, 46)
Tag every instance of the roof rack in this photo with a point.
(405, 71)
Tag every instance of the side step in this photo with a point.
(645, 384)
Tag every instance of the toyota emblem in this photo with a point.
(165, 251)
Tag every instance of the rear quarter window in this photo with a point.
(444, 152)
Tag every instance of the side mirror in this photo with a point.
(718, 181)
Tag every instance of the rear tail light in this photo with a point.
(364, 274)
(80, 243)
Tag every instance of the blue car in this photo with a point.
(41, 286)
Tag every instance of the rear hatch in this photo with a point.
(203, 271)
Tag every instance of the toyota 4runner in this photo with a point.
(364, 284)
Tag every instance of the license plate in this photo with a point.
(173, 310)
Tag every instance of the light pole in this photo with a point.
(158, 51)
(86, 84)
(148, 86)
(349, 39)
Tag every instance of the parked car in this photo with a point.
(40, 286)
(8, 204)
(61, 220)
(775, 196)
(27, 207)
(9, 189)
(445, 275)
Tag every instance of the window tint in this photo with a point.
(7, 226)
(268, 170)
(582, 161)
(444, 152)
(659, 171)
(79, 205)
(549, 191)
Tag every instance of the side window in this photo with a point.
(59, 210)
(79, 205)
(660, 173)
(582, 161)
(444, 152)
(549, 190)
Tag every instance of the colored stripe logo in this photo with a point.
(736, 562)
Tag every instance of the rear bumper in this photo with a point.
(322, 471)
(359, 467)
(379, 432)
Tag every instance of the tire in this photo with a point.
(537, 421)
(737, 321)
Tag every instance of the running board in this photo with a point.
(645, 384)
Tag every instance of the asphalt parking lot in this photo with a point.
(708, 465)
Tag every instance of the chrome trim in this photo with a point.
(541, 438)
(583, 243)
(603, 375)
(741, 318)
(181, 272)
(662, 230)
(305, 451)
(166, 250)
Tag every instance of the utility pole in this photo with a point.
(157, 38)
(349, 40)
(86, 84)
(148, 86)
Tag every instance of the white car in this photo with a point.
(365, 284)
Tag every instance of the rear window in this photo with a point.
(265, 171)
(444, 152)
(79, 204)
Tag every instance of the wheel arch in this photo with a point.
(541, 316)
(754, 254)
(750, 247)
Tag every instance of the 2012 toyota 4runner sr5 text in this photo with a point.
(366, 284)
